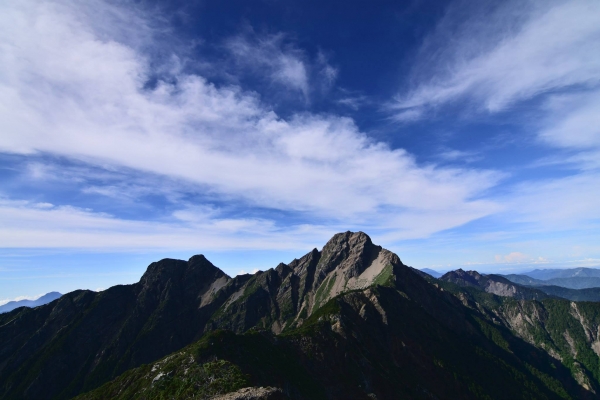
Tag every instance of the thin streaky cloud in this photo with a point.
(554, 48)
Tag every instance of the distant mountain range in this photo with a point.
(573, 282)
(348, 322)
(574, 278)
(45, 299)
(432, 272)
(521, 286)
(494, 284)
(545, 274)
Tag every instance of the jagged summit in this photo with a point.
(290, 293)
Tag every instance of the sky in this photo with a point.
(458, 134)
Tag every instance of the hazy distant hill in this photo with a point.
(545, 274)
(348, 322)
(45, 299)
(590, 294)
(575, 282)
(523, 280)
(432, 272)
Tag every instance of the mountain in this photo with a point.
(589, 294)
(45, 299)
(574, 282)
(348, 322)
(524, 280)
(494, 284)
(545, 274)
(432, 272)
(530, 289)
(566, 330)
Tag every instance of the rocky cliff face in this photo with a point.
(350, 321)
(285, 296)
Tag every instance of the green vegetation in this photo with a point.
(174, 377)
(324, 291)
(317, 318)
(492, 333)
(385, 277)
(550, 324)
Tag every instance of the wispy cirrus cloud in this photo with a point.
(276, 58)
(490, 58)
(573, 120)
(42, 225)
(71, 90)
(514, 53)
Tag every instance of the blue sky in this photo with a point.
(455, 133)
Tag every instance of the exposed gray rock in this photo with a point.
(254, 393)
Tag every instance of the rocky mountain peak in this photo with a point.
(347, 250)
(168, 268)
(463, 277)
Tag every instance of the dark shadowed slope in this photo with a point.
(85, 338)
(568, 331)
(405, 339)
(345, 322)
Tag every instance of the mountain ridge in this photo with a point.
(340, 312)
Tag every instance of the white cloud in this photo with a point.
(511, 52)
(72, 90)
(559, 203)
(26, 225)
(243, 272)
(459, 155)
(277, 58)
(514, 257)
(285, 65)
(553, 46)
(574, 120)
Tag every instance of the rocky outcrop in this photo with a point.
(254, 393)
